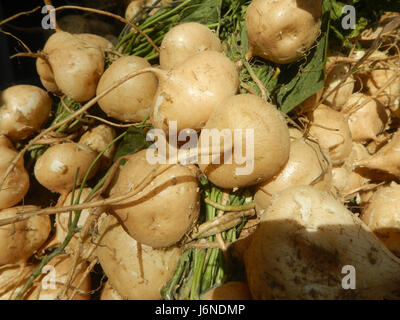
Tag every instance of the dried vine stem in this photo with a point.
(18, 15)
(220, 213)
(257, 81)
(115, 16)
(35, 55)
(78, 252)
(219, 206)
(57, 140)
(113, 124)
(16, 38)
(220, 224)
(84, 276)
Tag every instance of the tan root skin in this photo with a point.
(376, 79)
(62, 265)
(131, 101)
(185, 40)
(233, 290)
(380, 141)
(377, 74)
(304, 240)
(332, 131)
(109, 293)
(62, 224)
(307, 162)
(56, 168)
(337, 72)
(271, 140)
(367, 117)
(282, 31)
(347, 177)
(23, 110)
(16, 185)
(12, 280)
(382, 215)
(387, 159)
(133, 9)
(189, 93)
(136, 275)
(18, 241)
(166, 210)
(95, 40)
(74, 66)
(97, 139)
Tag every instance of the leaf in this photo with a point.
(202, 11)
(335, 9)
(300, 81)
(134, 141)
(244, 41)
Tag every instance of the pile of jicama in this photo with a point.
(87, 213)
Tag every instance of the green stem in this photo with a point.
(168, 291)
(165, 15)
(199, 258)
(186, 287)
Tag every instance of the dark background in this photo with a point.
(28, 28)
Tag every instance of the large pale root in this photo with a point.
(136, 271)
(131, 101)
(24, 109)
(331, 129)
(20, 240)
(16, 184)
(382, 215)
(12, 279)
(367, 117)
(308, 164)
(189, 93)
(282, 31)
(164, 211)
(244, 116)
(304, 240)
(97, 139)
(184, 41)
(387, 159)
(73, 66)
(56, 168)
(62, 265)
(62, 225)
(337, 93)
(347, 178)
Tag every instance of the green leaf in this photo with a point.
(244, 41)
(202, 11)
(300, 81)
(134, 141)
(335, 9)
